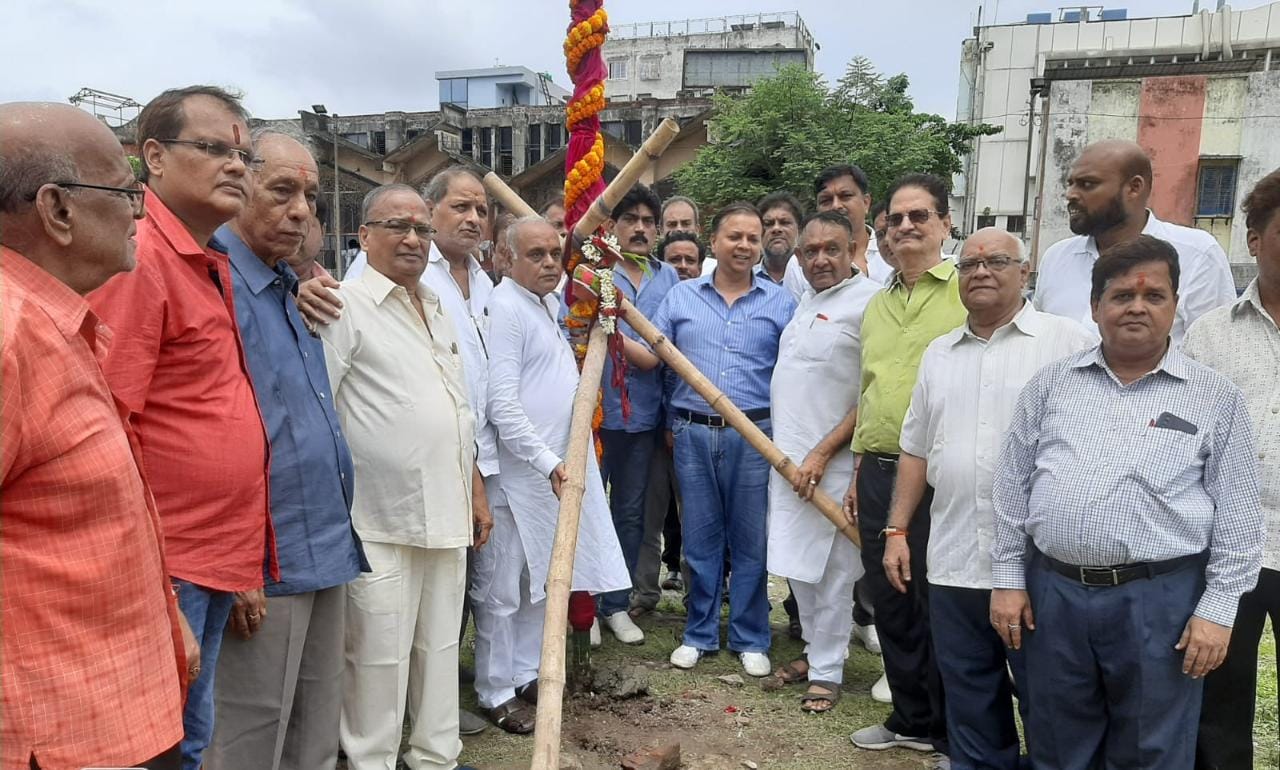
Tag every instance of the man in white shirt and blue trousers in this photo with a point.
(981, 365)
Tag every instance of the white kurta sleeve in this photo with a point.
(340, 340)
(507, 338)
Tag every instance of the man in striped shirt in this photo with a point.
(1128, 525)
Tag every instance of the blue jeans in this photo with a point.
(724, 488)
(625, 468)
(207, 612)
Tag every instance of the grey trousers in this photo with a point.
(278, 696)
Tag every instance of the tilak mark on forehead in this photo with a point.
(235, 132)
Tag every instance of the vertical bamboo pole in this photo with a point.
(551, 671)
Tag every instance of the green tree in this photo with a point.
(791, 126)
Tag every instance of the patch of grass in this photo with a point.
(1266, 722)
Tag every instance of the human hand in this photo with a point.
(1010, 615)
(671, 441)
(897, 562)
(248, 612)
(1205, 643)
(558, 477)
(190, 648)
(482, 521)
(317, 303)
(809, 474)
(850, 506)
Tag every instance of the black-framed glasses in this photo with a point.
(217, 150)
(136, 194)
(401, 228)
(993, 264)
(917, 217)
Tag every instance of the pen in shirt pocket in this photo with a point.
(817, 318)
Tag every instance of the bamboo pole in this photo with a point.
(602, 208)
(503, 193)
(551, 669)
(733, 416)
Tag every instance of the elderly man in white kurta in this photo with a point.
(532, 380)
(401, 394)
(815, 408)
(961, 407)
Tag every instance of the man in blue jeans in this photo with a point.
(728, 324)
(631, 429)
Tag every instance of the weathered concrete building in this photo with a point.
(695, 57)
(1200, 93)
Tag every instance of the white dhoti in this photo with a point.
(508, 622)
(402, 645)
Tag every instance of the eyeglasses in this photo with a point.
(218, 150)
(917, 217)
(401, 228)
(993, 264)
(136, 194)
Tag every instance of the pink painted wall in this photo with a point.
(1171, 112)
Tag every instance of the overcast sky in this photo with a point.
(369, 56)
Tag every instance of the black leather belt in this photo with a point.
(1124, 573)
(716, 421)
(886, 461)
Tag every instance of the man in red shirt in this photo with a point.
(92, 654)
(179, 368)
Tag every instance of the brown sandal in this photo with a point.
(790, 673)
(515, 716)
(528, 692)
(820, 692)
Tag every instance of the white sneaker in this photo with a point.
(685, 657)
(880, 692)
(624, 628)
(595, 632)
(879, 738)
(868, 636)
(756, 663)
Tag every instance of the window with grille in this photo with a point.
(986, 220)
(380, 142)
(1216, 188)
(617, 69)
(534, 144)
(486, 147)
(1015, 223)
(555, 137)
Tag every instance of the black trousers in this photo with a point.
(902, 620)
(1230, 692)
(169, 760)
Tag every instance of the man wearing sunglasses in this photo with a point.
(397, 377)
(179, 367)
(920, 303)
(954, 450)
(91, 670)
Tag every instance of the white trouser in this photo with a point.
(826, 612)
(508, 625)
(402, 646)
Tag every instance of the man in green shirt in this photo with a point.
(920, 303)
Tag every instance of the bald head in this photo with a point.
(993, 240)
(1126, 157)
(54, 161)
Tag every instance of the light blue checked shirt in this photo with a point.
(1100, 474)
(735, 346)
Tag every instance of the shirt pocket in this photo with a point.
(818, 342)
(1163, 456)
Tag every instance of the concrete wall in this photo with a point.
(667, 52)
(1171, 111)
(1259, 145)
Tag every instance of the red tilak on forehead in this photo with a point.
(1142, 281)
(235, 132)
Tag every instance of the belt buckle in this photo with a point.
(1112, 579)
(715, 421)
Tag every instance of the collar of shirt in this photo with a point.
(548, 302)
(1251, 299)
(1153, 227)
(69, 311)
(174, 232)
(942, 272)
(708, 283)
(832, 290)
(651, 268)
(435, 256)
(1173, 364)
(760, 270)
(380, 287)
(1027, 321)
(257, 276)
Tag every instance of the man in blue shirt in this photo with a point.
(728, 324)
(632, 428)
(278, 692)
